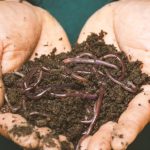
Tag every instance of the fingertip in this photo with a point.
(119, 138)
(102, 138)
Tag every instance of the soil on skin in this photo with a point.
(64, 115)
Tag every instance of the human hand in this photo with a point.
(26, 31)
(127, 25)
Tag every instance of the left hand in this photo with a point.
(128, 28)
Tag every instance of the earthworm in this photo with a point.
(121, 62)
(54, 86)
(86, 121)
(51, 70)
(38, 113)
(19, 74)
(86, 54)
(13, 109)
(91, 56)
(61, 67)
(97, 108)
(45, 69)
(78, 77)
(83, 95)
(28, 77)
(132, 89)
(24, 105)
(89, 61)
(38, 96)
(74, 75)
(83, 72)
(63, 95)
(100, 72)
(131, 84)
(97, 72)
(35, 84)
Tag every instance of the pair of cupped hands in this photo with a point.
(26, 29)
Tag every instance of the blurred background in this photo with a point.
(72, 15)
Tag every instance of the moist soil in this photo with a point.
(77, 80)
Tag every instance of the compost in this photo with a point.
(75, 92)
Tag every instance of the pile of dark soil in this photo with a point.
(61, 91)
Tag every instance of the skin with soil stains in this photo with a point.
(21, 131)
(74, 91)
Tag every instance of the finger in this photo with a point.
(133, 120)
(101, 20)
(47, 142)
(20, 37)
(52, 36)
(102, 138)
(1, 81)
(16, 128)
(85, 143)
(65, 144)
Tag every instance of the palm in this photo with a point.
(127, 25)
